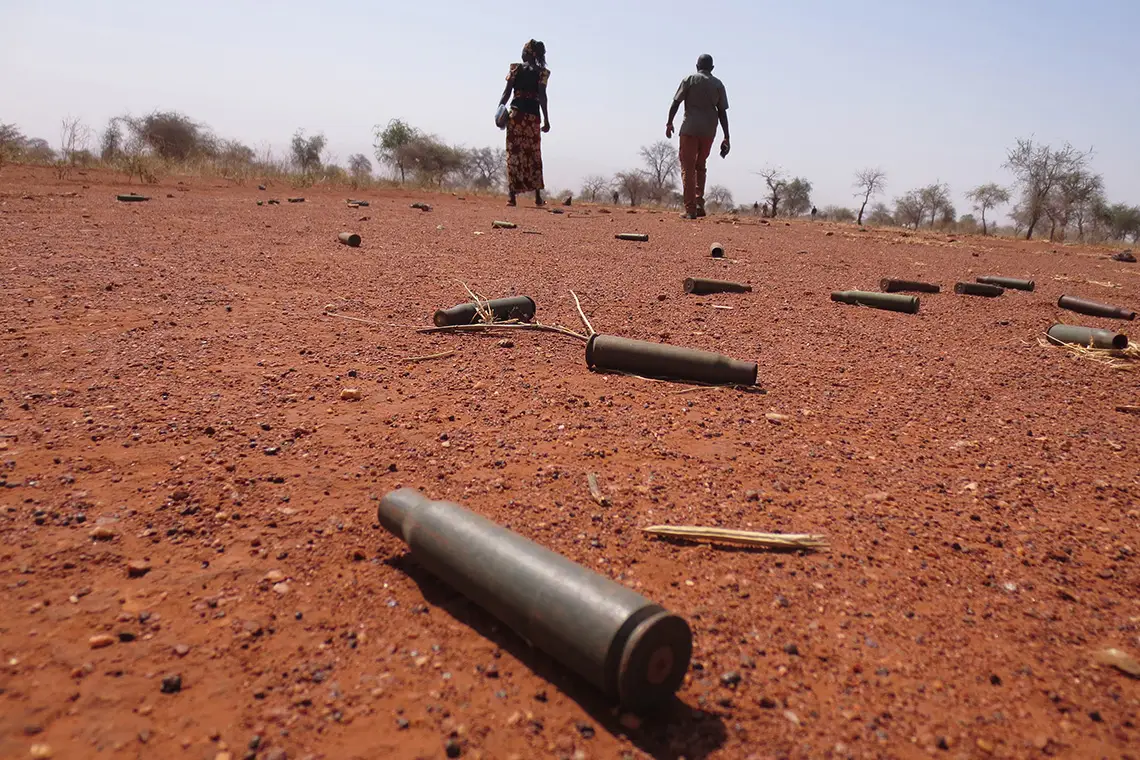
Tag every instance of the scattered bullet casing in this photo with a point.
(636, 237)
(700, 286)
(1007, 282)
(626, 645)
(503, 225)
(349, 238)
(978, 289)
(295, 200)
(888, 285)
(131, 198)
(886, 301)
(1089, 337)
(639, 357)
(716, 250)
(521, 308)
(1094, 309)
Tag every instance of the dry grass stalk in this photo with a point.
(532, 326)
(354, 319)
(589, 327)
(596, 490)
(1123, 359)
(780, 541)
(429, 357)
(486, 315)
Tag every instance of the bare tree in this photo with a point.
(74, 136)
(718, 197)
(774, 178)
(593, 186)
(487, 167)
(1074, 190)
(986, 197)
(635, 185)
(1039, 168)
(870, 183)
(662, 166)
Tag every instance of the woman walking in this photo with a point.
(528, 120)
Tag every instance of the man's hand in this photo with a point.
(725, 147)
(669, 130)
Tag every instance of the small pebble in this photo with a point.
(100, 641)
(172, 684)
(137, 568)
(351, 394)
(41, 752)
(181, 650)
(281, 588)
(452, 748)
(731, 678)
(102, 533)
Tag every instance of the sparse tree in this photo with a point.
(634, 185)
(487, 167)
(797, 197)
(111, 142)
(11, 142)
(360, 168)
(774, 178)
(172, 136)
(987, 197)
(432, 161)
(306, 151)
(910, 209)
(967, 224)
(662, 166)
(880, 216)
(593, 186)
(838, 214)
(935, 198)
(947, 214)
(1074, 191)
(1039, 169)
(718, 197)
(392, 143)
(38, 151)
(869, 183)
(1124, 221)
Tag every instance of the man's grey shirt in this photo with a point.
(703, 95)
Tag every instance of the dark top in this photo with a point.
(529, 82)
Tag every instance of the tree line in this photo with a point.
(1055, 192)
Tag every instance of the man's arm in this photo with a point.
(676, 104)
(722, 115)
(672, 115)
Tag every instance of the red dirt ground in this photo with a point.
(169, 382)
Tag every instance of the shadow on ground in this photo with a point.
(674, 731)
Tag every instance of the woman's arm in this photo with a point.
(545, 113)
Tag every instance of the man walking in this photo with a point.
(706, 104)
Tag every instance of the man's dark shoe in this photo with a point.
(687, 215)
(700, 213)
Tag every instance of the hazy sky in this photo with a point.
(928, 91)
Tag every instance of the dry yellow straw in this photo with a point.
(786, 541)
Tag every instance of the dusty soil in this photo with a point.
(171, 397)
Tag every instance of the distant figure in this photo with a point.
(617, 197)
(813, 213)
(756, 207)
(528, 120)
(569, 200)
(706, 103)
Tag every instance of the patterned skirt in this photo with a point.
(524, 152)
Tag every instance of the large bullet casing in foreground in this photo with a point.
(639, 357)
(632, 649)
(700, 286)
(888, 285)
(1094, 309)
(517, 307)
(888, 301)
(350, 239)
(978, 289)
(1090, 337)
(1007, 282)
